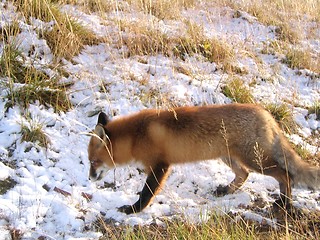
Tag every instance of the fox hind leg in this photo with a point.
(155, 179)
(241, 175)
(284, 180)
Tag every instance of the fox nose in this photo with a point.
(96, 176)
(93, 174)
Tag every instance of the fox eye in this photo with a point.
(95, 163)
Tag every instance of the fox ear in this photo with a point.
(103, 119)
(100, 132)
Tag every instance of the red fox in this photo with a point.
(245, 136)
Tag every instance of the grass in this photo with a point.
(6, 185)
(164, 9)
(302, 59)
(11, 64)
(91, 6)
(212, 49)
(156, 98)
(272, 47)
(45, 93)
(283, 115)
(286, 33)
(28, 85)
(315, 109)
(287, 15)
(142, 40)
(294, 57)
(33, 132)
(237, 91)
(9, 30)
(67, 37)
(289, 18)
(219, 226)
(44, 10)
(304, 153)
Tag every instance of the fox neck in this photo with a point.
(121, 143)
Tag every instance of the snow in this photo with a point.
(36, 209)
(5, 171)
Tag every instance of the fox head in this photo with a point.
(100, 150)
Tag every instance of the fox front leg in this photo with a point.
(155, 179)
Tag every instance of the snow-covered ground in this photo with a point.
(36, 207)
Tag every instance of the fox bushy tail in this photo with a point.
(302, 174)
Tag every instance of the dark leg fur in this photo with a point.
(284, 180)
(154, 180)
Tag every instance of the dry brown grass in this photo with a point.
(294, 57)
(9, 30)
(90, 6)
(288, 15)
(34, 84)
(44, 10)
(144, 40)
(302, 59)
(33, 132)
(67, 37)
(164, 9)
(212, 49)
(298, 225)
(237, 91)
(284, 116)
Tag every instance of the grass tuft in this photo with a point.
(10, 63)
(27, 84)
(315, 109)
(213, 50)
(33, 132)
(283, 115)
(164, 9)
(304, 153)
(146, 40)
(9, 30)
(301, 59)
(294, 57)
(43, 92)
(67, 37)
(6, 185)
(43, 10)
(142, 40)
(286, 33)
(90, 6)
(237, 91)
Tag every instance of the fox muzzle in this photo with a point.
(96, 174)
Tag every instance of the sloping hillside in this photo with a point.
(62, 62)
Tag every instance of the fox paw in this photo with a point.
(221, 191)
(127, 209)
